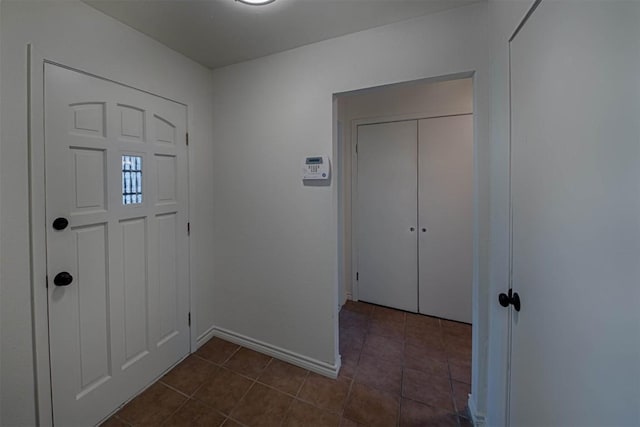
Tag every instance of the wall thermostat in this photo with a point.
(316, 168)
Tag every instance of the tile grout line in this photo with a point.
(175, 411)
(303, 383)
(204, 382)
(192, 396)
(257, 381)
(245, 376)
(204, 359)
(355, 373)
(123, 421)
(274, 388)
(243, 396)
(169, 386)
(229, 417)
(404, 348)
(301, 399)
(286, 413)
(346, 399)
(231, 355)
(452, 396)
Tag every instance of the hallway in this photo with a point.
(397, 369)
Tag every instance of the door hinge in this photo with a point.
(356, 148)
(188, 229)
(46, 281)
(189, 319)
(187, 139)
(357, 276)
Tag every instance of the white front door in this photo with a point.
(387, 214)
(575, 84)
(445, 219)
(116, 209)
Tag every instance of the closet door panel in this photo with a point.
(387, 214)
(445, 199)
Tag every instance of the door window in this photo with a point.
(131, 180)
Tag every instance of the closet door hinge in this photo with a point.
(187, 139)
(357, 276)
(189, 319)
(46, 281)
(188, 229)
(356, 148)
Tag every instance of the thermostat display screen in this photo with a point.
(314, 160)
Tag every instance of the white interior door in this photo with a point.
(445, 219)
(116, 170)
(387, 214)
(575, 358)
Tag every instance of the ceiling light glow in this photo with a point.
(256, 2)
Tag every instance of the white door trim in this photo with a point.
(507, 367)
(37, 227)
(354, 179)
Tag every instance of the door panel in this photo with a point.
(167, 278)
(387, 212)
(445, 197)
(134, 254)
(124, 318)
(575, 79)
(90, 251)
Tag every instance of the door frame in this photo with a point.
(480, 316)
(37, 226)
(354, 180)
(507, 408)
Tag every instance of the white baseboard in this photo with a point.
(478, 420)
(314, 365)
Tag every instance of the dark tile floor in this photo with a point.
(397, 369)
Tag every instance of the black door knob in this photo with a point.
(504, 300)
(515, 300)
(63, 279)
(510, 299)
(60, 223)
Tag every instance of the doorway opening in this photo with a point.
(406, 158)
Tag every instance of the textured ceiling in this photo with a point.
(216, 33)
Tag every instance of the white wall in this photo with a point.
(420, 100)
(76, 35)
(276, 257)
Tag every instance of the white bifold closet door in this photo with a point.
(415, 215)
(387, 214)
(445, 215)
